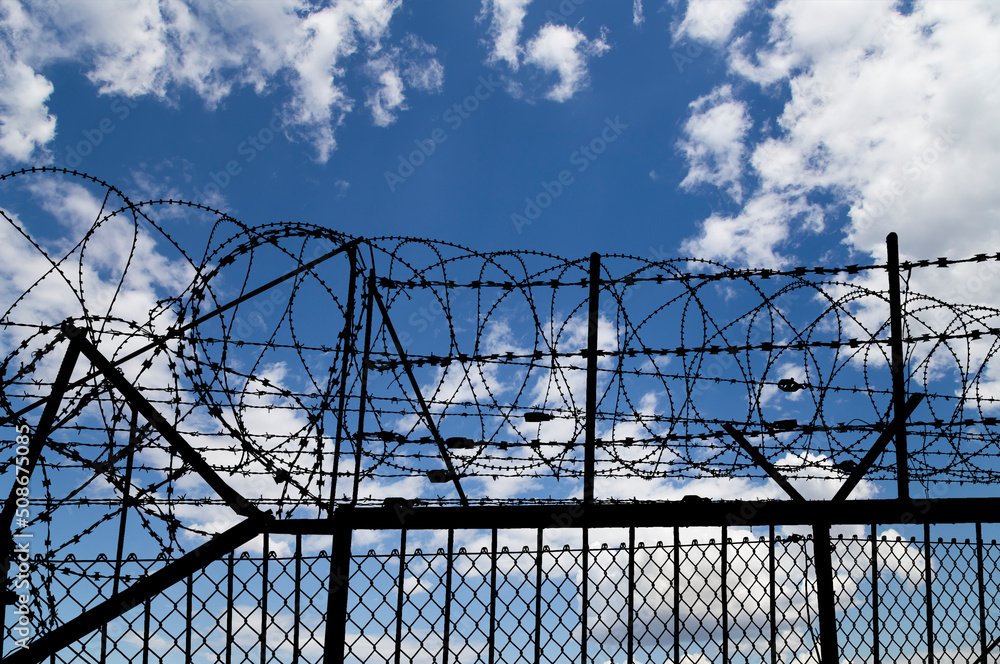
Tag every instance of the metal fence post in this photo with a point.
(298, 599)
(359, 433)
(449, 569)
(930, 593)
(725, 595)
(876, 651)
(822, 552)
(263, 598)
(145, 631)
(493, 597)
(677, 595)
(400, 595)
(336, 612)
(229, 607)
(772, 594)
(190, 616)
(585, 604)
(630, 645)
(538, 598)
(897, 368)
(345, 365)
(593, 318)
(982, 592)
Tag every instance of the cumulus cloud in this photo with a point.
(887, 115)
(555, 48)
(27, 124)
(713, 141)
(506, 21)
(150, 48)
(637, 16)
(395, 70)
(564, 51)
(710, 21)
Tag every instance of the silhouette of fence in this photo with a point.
(292, 380)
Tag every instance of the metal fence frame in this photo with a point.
(586, 515)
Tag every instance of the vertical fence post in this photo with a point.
(898, 368)
(493, 597)
(930, 593)
(263, 599)
(335, 638)
(982, 592)
(585, 604)
(725, 594)
(363, 398)
(145, 631)
(127, 486)
(190, 616)
(630, 645)
(772, 594)
(822, 552)
(538, 598)
(593, 317)
(347, 348)
(590, 441)
(399, 596)
(298, 599)
(120, 550)
(876, 648)
(449, 568)
(229, 608)
(677, 595)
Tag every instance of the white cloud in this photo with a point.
(150, 48)
(388, 97)
(711, 21)
(713, 141)
(563, 50)
(637, 16)
(27, 124)
(396, 69)
(891, 115)
(506, 21)
(753, 235)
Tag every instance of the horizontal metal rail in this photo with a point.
(399, 514)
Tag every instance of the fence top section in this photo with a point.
(312, 370)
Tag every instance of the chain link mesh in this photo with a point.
(761, 606)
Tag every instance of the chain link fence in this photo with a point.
(523, 597)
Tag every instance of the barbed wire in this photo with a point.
(283, 397)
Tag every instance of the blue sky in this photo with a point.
(170, 120)
(748, 132)
(763, 134)
(760, 132)
(492, 152)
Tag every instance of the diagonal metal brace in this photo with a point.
(762, 461)
(42, 429)
(420, 398)
(176, 332)
(876, 451)
(50, 643)
(189, 455)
